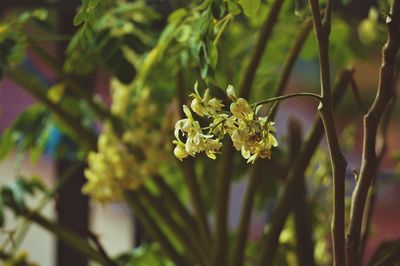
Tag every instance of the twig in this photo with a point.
(302, 211)
(69, 237)
(176, 206)
(241, 239)
(291, 58)
(338, 161)
(265, 34)
(356, 93)
(189, 242)
(371, 198)
(271, 237)
(288, 96)
(153, 229)
(33, 86)
(92, 236)
(99, 109)
(369, 161)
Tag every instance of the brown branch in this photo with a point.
(372, 119)
(258, 51)
(291, 58)
(338, 161)
(356, 92)
(302, 211)
(241, 239)
(285, 203)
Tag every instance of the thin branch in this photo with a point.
(241, 239)
(225, 173)
(285, 203)
(176, 206)
(69, 237)
(153, 229)
(302, 211)
(189, 242)
(291, 58)
(32, 85)
(338, 161)
(356, 92)
(93, 237)
(288, 96)
(371, 198)
(372, 119)
(99, 109)
(258, 51)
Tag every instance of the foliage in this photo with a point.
(151, 58)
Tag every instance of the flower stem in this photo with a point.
(288, 96)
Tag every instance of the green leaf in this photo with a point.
(177, 15)
(212, 55)
(6, 143)
(17, 191)
(183, 33)
(233, 7)
(56, 92)
(2, 216)
(250, 7)
(40, 14)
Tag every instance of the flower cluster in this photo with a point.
(250, 132)
(124, 162)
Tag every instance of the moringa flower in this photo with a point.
(241, 109)
(251, 134)
(206, 105)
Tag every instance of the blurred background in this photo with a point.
(112, 223)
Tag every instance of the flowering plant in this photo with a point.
(140, 143)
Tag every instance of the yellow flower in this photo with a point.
(230, 92)
(241, 109)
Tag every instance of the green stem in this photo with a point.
(23, 227)
(189, 242)
(226, 19)
(148, 222)
(187, 220)
(68, 237)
